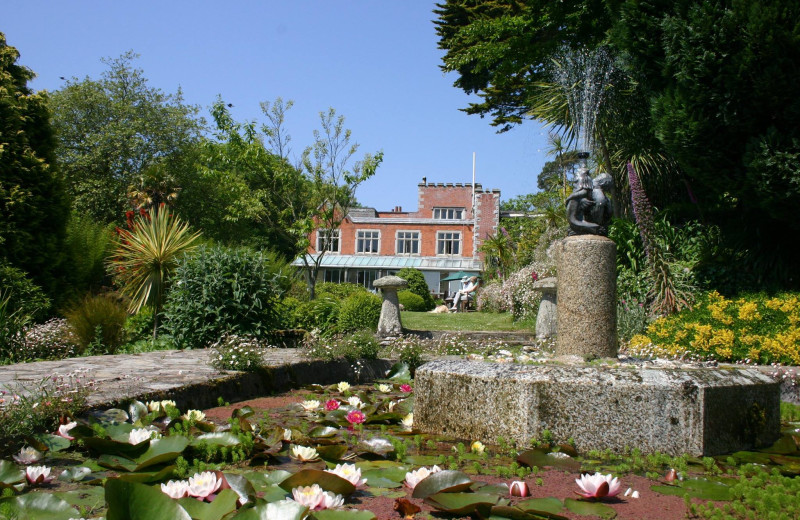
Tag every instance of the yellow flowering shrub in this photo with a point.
(753, 327)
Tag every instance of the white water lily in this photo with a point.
(287, 434)
(194, 415)
(153, 406)
(310, 405)
(408, 421)
(138, 435)
(384, 388)
(166, 403)
(391, 405)
(310, 496)
(36, 475)
(331, 500)
(176, 488)
(303, 453)
(350, 473)
(415, 477)
(28, 455)
(63, 430)
(354, 401)
(286, 508)
(201, 485)
(343, 386)
(477, 447)
(635, 494)
(598, 485)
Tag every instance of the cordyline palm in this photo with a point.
(147, 255)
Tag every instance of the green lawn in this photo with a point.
(462, 321)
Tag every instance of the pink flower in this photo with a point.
(356, 417)
(519, 489)
(203, 485)
(598, 485)
(332, 404)
(63, 430)
(405, 388)
(38, 475)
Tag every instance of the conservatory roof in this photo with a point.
(424, 263)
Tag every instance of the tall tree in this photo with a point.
(111, 130)
(33, 205)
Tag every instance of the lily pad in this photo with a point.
(332, 452)
(134, 501)
(323, 431)
(376, 445)
(515, 513)
(157, 475)
(40, 506)
(10, 474)
(74, 474)
(217, 439)
(162, 450)
(137, 410)
(421, 460)
(581, 507)
(542, 458)
(49, 442)
(240, 485)
(326, 480)
(399, 372)
(446, 481)
(88, 498)
(540, 505)
(330, 514)
(463, 503)
(224, 503)
(285, 510)
(697, 488)
(112, 415)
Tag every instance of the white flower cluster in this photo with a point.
(234, 352)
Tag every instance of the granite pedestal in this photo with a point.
(699, 411)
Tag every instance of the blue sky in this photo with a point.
(376, 62)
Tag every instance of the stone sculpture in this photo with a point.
(588, 208)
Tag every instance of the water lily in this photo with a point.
(519, 488)
(331, 500)
(38, 475)
(631, 493)
(310, 496)
(287, 434)
(598, 485)
(477, 447)
(355, 402)
(204, 484)
(343, 387)
(671, 475)
(408, 421)
(28, 455)
(153, 406)
(384, 388)
(332, 404)
(405, 388)
(63, 430)
(350, 473)
(415, 477)
(176, 488)
(138, 435)
(303, 453)
(310, 405)
(356, 417)
(194, 415)
(168, 402)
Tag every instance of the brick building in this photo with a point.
(440, 238)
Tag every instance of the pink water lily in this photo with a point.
(415, 477)
(176, 488)
(36, 475)
(356, 417)
(598, 485)
(28, 455)
(203, 485)
(63, 430)
(350, 473)
(331, 405)
(519, 488)
(405, 388)
(315, 498)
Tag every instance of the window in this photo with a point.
(408, 242)
(334, 275)
(328, 240)
(366, 277)
(448, 243)
(367, 241)
(448, 213)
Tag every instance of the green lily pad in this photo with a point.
(581, 507)
(10, 474)
(145, 477)
(323, 431)
(539, 505)
(162, 450)
(541, 458)
(88, 498)
(137, 411)
(285, 510)
(442, 482)
(40, 506)
(243, 488)
(242, 413)
(696, 488)
(262, 481)
(216, 439)
(113, 447)
(331, 514)
(515, 513)
(421, 460)
(49, 442)
(332, 452)
(788, 465)
(223, 504)
(376, 445)
(74, 474)
(786, 445)
(111, 416)
(134, 501)
(117, 462)
(399, 372)
(463, 503)
(326, 480)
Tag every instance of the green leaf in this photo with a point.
(331, 514)
(74, 474)
(49, 442)
(445, 481)
(376, 445)
(326, 480)
(323, 431)
(87, 497)
(581, 507)
(262, 481)
(111, 415)
(40, 506)
(541, 458)
(285, 510)
(515, 513)
(243, 488)
(696, 488)
(421, 460)
(116, 462)
(145, 477)
(217, 438)
(333, 452)
(137, 410)
(224, 503)
(10, 474)
(242, 413)
(546, 504)
(134, 501)
(463, 503)
(399, 372)
(162, 450)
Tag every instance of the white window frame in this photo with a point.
(335, 239)
(411, 240)
(377, 239)
(328, 276)
(452, 240)
(447, 213)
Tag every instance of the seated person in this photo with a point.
(466, 293)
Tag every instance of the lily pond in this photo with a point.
(351, 452)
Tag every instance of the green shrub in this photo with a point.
(97, 324)
(88, 244)
(23, 296)
(222, 290)
(359, 345)
(417, 285)
(338, 291)
(411, 302)
(320, 315)
(360, 311)
(50, 340)
(233, 352)
(139, 326)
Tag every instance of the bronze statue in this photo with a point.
(588, 208)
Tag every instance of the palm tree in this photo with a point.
(146, 256)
